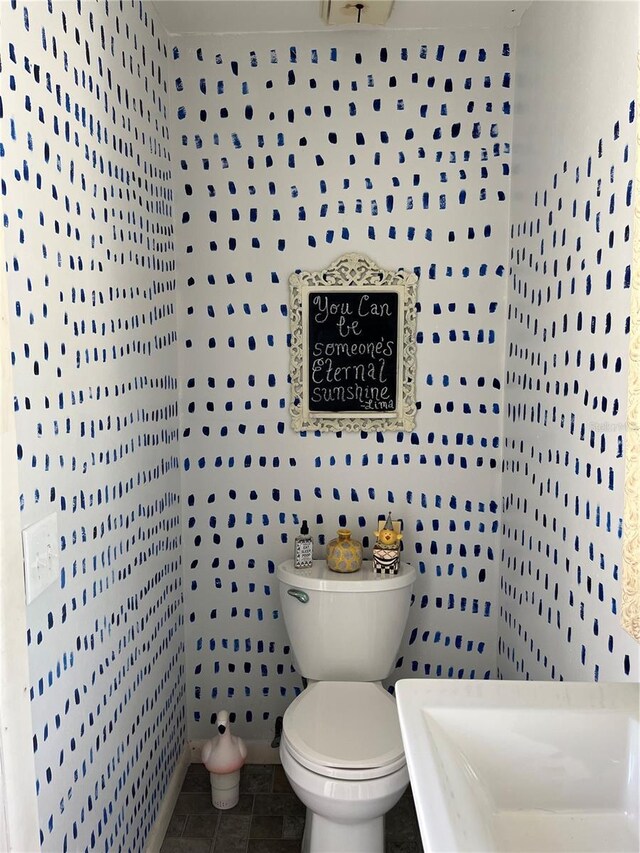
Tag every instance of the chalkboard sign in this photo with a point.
(353, 351)
(353, 347)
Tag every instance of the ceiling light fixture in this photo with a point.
(338, 12)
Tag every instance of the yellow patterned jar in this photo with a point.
(344, 554)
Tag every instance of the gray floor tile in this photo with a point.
(293, 826)
(256, 778)
(197, 779)
(401, 824)
(224, 845)
(394, 845)
(277, 804)
(176, 825)
(266, 826)
(201, 826)
(191, 802)
(186, 845)
(233, 827)
(232, 834)
(280, 782)
(244, 806)
(273, 845)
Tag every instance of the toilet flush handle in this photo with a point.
(300, 594)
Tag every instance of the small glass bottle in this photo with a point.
(303, 551)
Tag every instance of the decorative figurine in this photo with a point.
(223, 756)
(386, 551)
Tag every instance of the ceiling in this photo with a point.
(268, 16)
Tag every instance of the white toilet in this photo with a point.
(341, 746)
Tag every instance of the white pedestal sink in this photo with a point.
(520, 766)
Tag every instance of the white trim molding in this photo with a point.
(159, 829)
(258, 752)
(630, 609)
(19, 823)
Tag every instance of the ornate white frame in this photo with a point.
(630, 609)
(354, 270)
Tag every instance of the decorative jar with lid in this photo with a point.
(344, 554)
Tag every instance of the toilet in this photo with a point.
(341, 747)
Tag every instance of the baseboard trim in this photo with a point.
(159, 828)
(258, 752)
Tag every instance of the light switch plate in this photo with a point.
(40, 546)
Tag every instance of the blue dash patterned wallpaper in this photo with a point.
(289, 150)
(87, 203)
(151, 372)
(567, 327)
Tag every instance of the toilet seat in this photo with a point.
(345, 730)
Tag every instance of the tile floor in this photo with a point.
(269, 818)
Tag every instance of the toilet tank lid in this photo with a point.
(320, 576)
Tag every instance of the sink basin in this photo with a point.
(522, 765)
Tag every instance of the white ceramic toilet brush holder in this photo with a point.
(225, 789)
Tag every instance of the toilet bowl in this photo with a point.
(341, 750)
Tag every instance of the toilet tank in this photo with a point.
(344, 627)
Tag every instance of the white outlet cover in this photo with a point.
(40, 546)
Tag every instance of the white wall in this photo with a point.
(86, 180)
(289, 151)
(565, 393)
